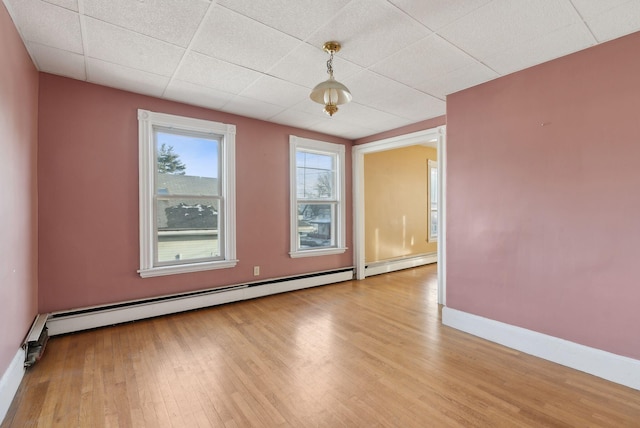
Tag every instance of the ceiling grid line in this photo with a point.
(83, 35)
(595, 39)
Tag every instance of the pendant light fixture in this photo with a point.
(330, 93)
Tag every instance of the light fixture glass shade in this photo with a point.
(331, 93)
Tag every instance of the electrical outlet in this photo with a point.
(256, 270)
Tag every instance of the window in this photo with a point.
(317, 198)
(433, 201)
(187, 194)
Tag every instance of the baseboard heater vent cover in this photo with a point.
(36, 341)
(99, 316)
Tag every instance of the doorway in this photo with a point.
(435, 136)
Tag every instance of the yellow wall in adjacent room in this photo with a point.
(396, 206)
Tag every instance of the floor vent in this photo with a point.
(36, 341)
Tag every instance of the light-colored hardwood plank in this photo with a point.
(360, 353)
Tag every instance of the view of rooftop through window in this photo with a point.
(187, 196)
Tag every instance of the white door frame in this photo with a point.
(435, 136)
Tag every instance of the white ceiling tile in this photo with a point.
(202, 96)
(370, 30)
(250, 107)
(436, 14)
(365, 86)
(458, 80)
(174, 21)
(307, 66)
(216, 74)
(234, 38)
(503, 24)
(124, 47)
(416, 105)
(56, 61)
(368, 117)
(390, 96)
(117, 76)
(67, 4)
(276, 91)
(617, 21)
(295, 118)
(335, 126)
(426, 59)
(551, 45)
(298, 18)
(47, 24)
(594, 8)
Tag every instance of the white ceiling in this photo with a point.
(260, 58)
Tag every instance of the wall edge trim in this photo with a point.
(606, 365)
(10, 382)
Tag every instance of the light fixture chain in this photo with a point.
(330, 64)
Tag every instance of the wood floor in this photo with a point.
(368, 353)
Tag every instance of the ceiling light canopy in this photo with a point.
(330, 93)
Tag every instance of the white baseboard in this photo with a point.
(10, 382)
(387, 266)
(100, 316)
(612, 367)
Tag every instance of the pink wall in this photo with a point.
(18, 191)
(88, 189)
(544, 198)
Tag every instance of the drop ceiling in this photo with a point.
(259, 58)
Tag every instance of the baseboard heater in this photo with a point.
(99, 316)
(392, 265)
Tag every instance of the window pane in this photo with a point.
(187, 164)
(433, 201)
(187, 229)
(315, 175)
(316, 225)
(433, 185)
(171, 184)
(434, 224)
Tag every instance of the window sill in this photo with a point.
(313, 253)
(186, 268)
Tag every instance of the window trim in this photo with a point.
(146, 159)
(337, 150)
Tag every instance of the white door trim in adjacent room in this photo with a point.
(436, 137)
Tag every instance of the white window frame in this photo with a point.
(147, 167)
(321, 147)
(431, 165)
